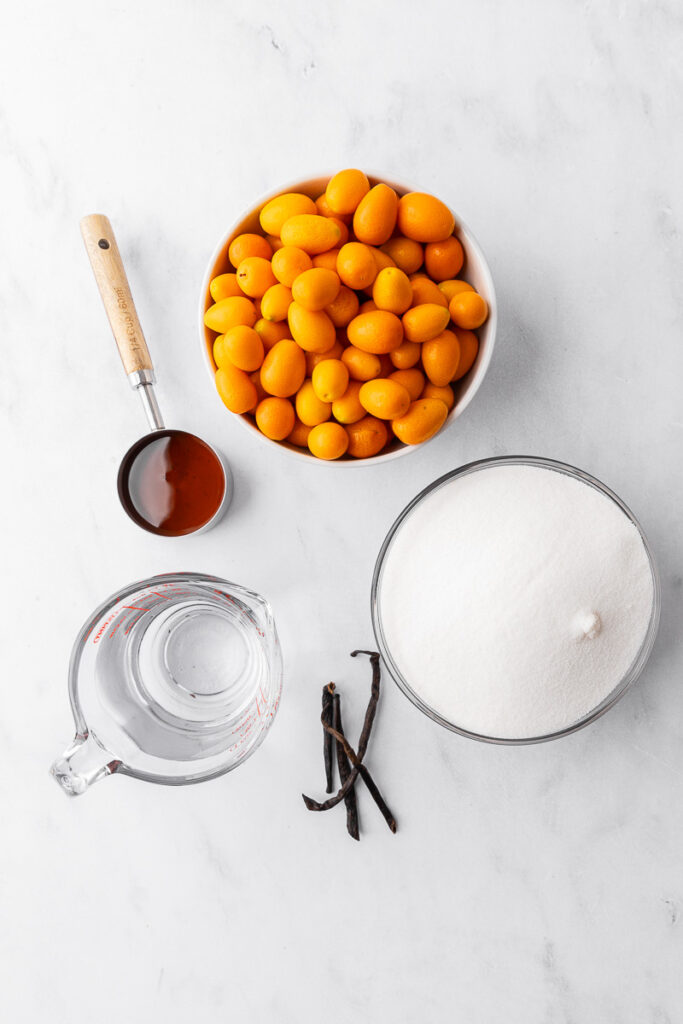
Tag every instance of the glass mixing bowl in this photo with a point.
(619, 690)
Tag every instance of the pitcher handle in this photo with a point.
(83, 763)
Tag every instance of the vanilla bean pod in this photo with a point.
(372, 703)
(356, 758)
(328, 740)
(365, 776)
(344, 770)
(327, 805)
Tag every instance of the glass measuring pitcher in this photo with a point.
(174, 679)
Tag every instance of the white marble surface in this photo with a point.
(540, 884)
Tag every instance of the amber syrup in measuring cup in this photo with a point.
(171, 483)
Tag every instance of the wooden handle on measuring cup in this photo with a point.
(112, 282)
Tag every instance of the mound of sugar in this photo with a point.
(514, 599)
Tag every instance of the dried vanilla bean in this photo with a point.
(345, 750)
(365, 776)
(372, 703)
(328, 740)
(344, 770)
(327, 805)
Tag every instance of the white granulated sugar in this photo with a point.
(514, 599)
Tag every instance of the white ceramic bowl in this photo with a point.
(476, 271)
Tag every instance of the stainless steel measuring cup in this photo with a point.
(170, 482)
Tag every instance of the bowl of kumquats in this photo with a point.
(348, 318)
